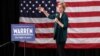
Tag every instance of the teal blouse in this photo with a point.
(60, 34)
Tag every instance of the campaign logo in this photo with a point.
(22, 32)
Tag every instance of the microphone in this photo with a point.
(57, 16)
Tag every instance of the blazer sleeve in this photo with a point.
(65, 22)
(51, 16)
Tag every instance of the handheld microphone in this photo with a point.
(57, 16)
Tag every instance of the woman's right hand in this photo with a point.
(41, 9)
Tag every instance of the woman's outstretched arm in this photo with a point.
(44, 11)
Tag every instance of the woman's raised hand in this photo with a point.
(41, 9)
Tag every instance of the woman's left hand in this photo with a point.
(56, 20)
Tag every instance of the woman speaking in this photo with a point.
(60, 27)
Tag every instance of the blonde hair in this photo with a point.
(62, 3)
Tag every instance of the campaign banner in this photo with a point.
(22, 32)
